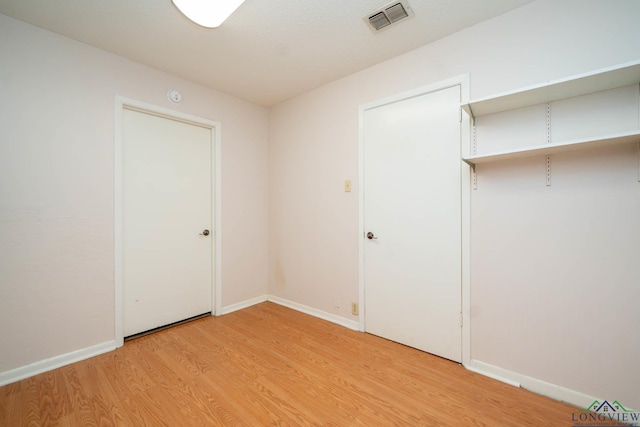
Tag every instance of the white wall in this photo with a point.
(554, 267)
(313, 223)
(57, 189)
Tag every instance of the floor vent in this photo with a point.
(389, 15)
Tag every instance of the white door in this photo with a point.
(167, 206)
(412, 207)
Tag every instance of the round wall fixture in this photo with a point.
(174, 96)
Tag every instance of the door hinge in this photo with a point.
(461, 318)
(460, 118)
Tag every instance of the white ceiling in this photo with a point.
(268, 50)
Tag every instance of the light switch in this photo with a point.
(347, 186)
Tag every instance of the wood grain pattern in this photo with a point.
(269, 365)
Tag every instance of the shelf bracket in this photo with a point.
(548, 171)
(467, 108)
(474, 177)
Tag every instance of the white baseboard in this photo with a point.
(533, 384)
(351, 324)
(85, 353)
(513, 378)
(483, 369)
(55, 362)
(243, 304)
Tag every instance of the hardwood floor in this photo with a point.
(269, 365)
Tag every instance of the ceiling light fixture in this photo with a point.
(207, 13)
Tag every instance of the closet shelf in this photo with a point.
(542, 150)
(582, 84)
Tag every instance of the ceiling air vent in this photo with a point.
(388, 15)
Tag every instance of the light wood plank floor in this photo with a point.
(269, 365)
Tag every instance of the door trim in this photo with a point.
(465, 192)
(122, 103)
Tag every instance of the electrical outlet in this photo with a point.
(354, 308)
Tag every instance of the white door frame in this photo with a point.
(465, 192)
(122, 103)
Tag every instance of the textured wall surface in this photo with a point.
(314, 224)
(57, 189)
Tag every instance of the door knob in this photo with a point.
(205, 233)
(371, 236)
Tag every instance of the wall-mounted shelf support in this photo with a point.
(474, 177)
(474, 148)
(605, 79)
(548, 159)
(474, 141)
(548, 123)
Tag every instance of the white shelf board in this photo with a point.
(543, 150)
(582, 84)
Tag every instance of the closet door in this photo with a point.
(412, 217)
